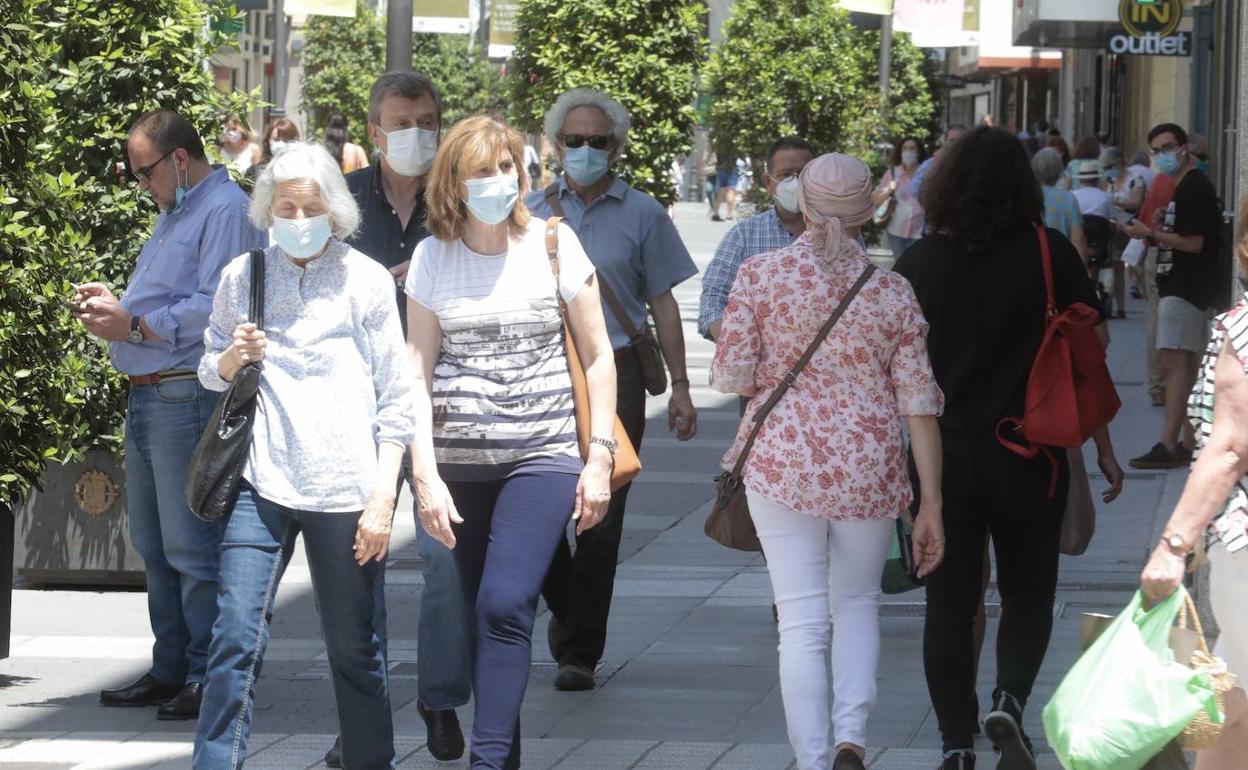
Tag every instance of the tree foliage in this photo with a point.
(73, 76)
(342, 57)
(800, 67)
(645, 53)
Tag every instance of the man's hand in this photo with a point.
(104, 317)
(399, 272)
(1136, 229)
(682, 417)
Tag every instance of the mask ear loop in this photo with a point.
(179, 194)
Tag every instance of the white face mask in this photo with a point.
(277, 145)
(491, 199)
(410, 151)
(909, 157)
(302, 238)
(786, 194)
(233, 135)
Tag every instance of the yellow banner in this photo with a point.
(879, 7)
(321, 7)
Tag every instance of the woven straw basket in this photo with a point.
(1201, 733)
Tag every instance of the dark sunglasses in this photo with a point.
(144, 173)
(597, 141)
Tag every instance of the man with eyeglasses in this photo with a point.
(1186, 232)
(639, 259)
(155, 333)
(774, 229)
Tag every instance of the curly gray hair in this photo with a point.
(615, 113)
(300, 161)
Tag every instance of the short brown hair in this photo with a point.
(470, 144)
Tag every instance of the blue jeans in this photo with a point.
(443, 652)
(163, 425)
(255, 549)
(503, 549)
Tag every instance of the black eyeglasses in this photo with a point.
(597, 141)
(144, 173)
(1167, 147)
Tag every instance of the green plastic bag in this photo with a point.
(1127, 697)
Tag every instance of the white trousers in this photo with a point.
(823, 569)
(1228, 593)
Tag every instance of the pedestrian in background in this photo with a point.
(155, 336)
(1213, 511)
(1186, 233)
(278, 135)
(726, 179)
(953, 132)
(1061, 209)
(773, 229)
(334, 416)
(639, 259)
(905, 223)
(237, 147)
(979, 281)
(497, 468)
(1127, 188)
(350, 156)
(827, 475)
(405, 118)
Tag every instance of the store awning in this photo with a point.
(1065, 23)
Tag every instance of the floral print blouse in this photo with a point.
(832, 447)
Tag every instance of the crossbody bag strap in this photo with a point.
(255, 311)
(552, 252)
(791, 376)
(1046, 259)
(621, 316)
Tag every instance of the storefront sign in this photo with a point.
(1149, 29)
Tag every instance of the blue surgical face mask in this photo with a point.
(302, 238)
(184, 184)
(491, 199)
(1113, 174)
(1202, 166)
(585, 164)
(1168, 163)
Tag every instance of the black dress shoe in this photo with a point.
(333, 757)
(574, 678)
(185, 705)
(147, 691)
(848, 759)
(445, 738)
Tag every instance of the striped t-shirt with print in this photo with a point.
(1230, 526)
(502, 395)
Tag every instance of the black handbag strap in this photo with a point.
(255, 313)
(791, 376)
(621, 315)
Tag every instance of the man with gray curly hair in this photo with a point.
(639, 258)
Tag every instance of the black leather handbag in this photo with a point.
(216, 471)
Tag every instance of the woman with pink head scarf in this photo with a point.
(827, 476)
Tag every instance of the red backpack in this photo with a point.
(1070, 394)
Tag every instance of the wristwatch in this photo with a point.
(1176, 542)
(611, 444)
(136, 334)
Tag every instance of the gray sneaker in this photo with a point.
(1004, 728)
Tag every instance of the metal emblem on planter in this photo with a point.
(95, 493)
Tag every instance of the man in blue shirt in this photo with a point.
(156, 337)
(773, 229)
(639, 258)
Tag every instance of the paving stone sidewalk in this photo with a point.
(690, 675)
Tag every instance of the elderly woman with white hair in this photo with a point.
(639, 258)
(335, 414)
(827, 476)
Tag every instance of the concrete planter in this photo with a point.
(75, 531)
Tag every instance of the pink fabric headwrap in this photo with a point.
(835, 193)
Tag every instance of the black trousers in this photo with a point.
(988, 490)
(579, 586)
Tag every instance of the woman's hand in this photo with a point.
(593, 491)
(1113, 474)
(1163, 574)
(437, 509)
(372, 534)
(928, 539)
(247, 347)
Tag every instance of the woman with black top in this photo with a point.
(979, 281)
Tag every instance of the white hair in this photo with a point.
(306, 161)
(615, 113)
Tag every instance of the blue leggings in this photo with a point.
(503, 550)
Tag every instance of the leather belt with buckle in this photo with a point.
(159, 377)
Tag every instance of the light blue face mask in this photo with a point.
(1202, 166)
(184, 184)
(302, 238)
(491, 199)
(585, 164)
(1168, 163)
